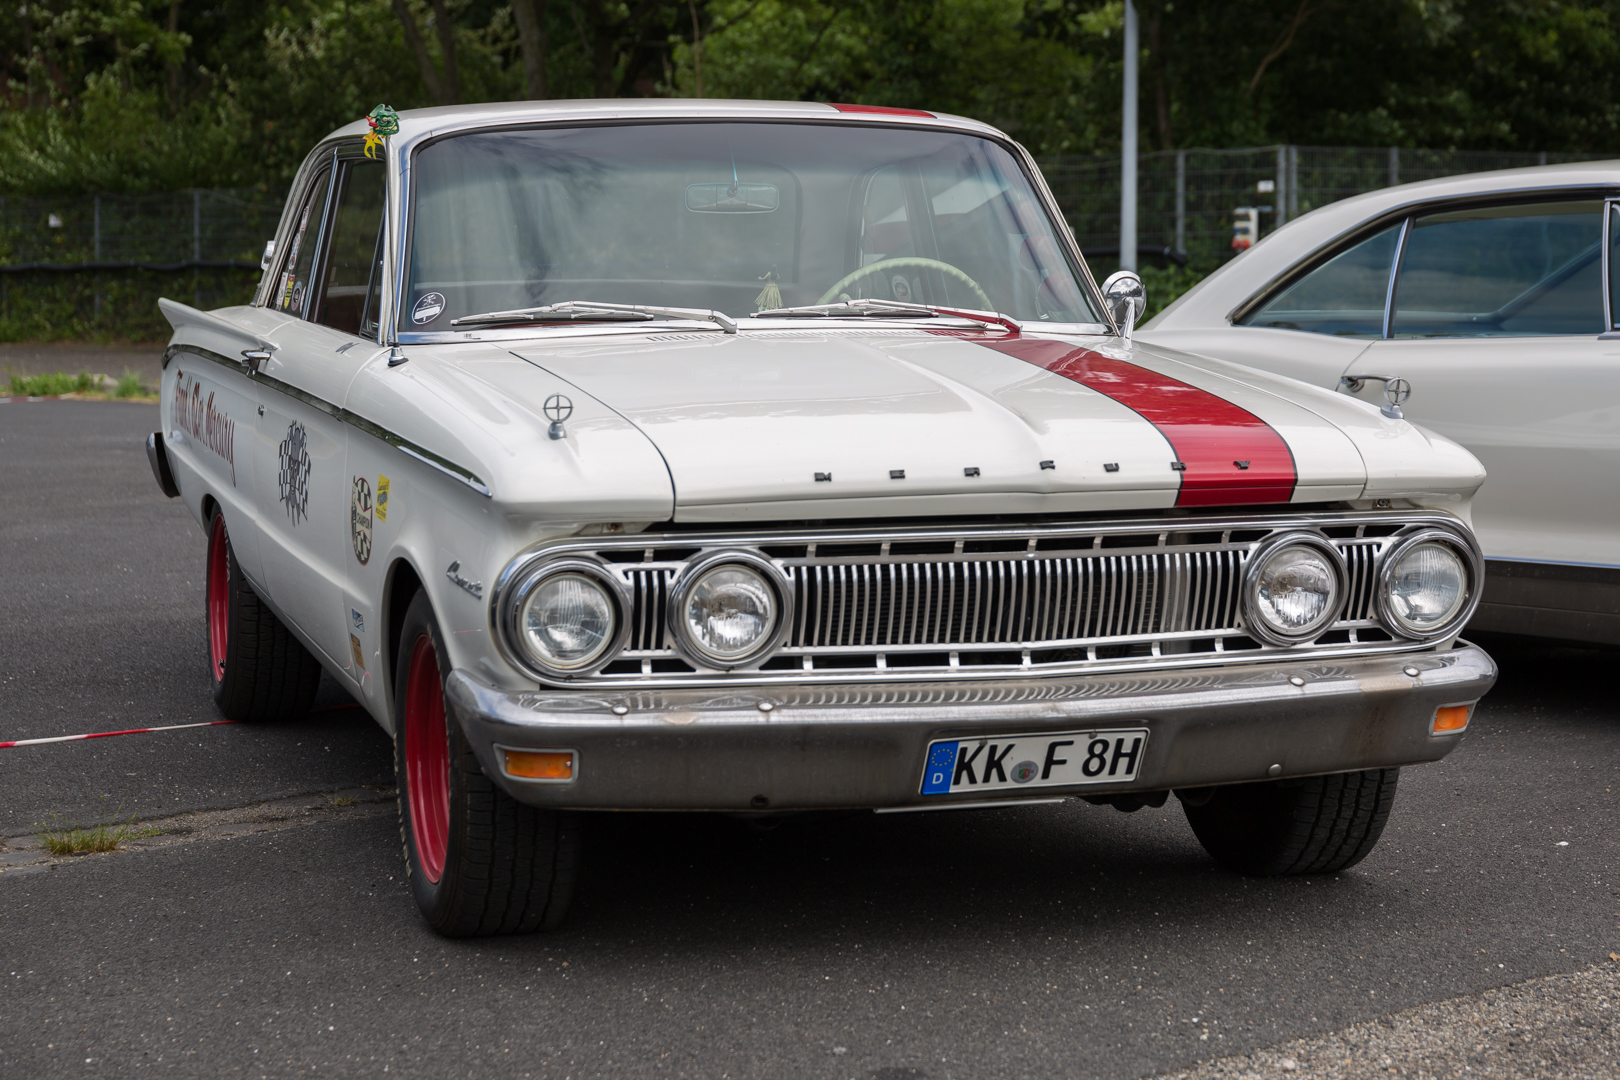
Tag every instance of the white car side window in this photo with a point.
(1344, 296)
(352, 251)
(1529, 270)
(293, 288)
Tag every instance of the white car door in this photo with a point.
(306, 487)
(1498, 323)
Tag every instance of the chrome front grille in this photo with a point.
(984, 602)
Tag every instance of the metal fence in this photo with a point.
(180, 230)
(1185, 198)
(1184, 212)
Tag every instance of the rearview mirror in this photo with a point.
(1126, 298)
(732, 198)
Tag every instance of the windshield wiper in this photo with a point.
(592, 311)
(869, 308)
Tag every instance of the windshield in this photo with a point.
(735, 217)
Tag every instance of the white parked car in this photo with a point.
(761, 458)
(1492, 296)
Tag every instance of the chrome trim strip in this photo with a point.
(1395, 276)
(1610, 209)
(337, 412)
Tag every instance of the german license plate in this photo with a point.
(1006, 762)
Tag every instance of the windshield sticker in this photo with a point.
(382, 498)
(360, 519)
(191, 413)
(428, 308)
(294, 475)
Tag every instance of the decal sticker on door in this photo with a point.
(360, 519)
(382, 498)
(294, 475)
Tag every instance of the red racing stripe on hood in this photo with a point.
(1209, 434)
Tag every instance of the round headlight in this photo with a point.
(727, 609)
(1295, 590)
(1425, 587)
(567, 621)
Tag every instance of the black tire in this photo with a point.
(479, 862)
(1318, 825)
(260, 672)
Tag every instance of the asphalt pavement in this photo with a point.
(1062, 941)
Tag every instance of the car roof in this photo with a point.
(1213, 299)
(415, 124)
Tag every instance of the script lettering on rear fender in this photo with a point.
(190, 412)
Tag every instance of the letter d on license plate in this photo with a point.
(1030, 761)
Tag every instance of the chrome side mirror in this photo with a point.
(1126, 298)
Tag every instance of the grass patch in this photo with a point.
(343, 800)
(83, 384)
(59, 839)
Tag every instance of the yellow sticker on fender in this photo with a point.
(382, 498)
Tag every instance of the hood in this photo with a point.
(807, 424)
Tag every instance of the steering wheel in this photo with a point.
(894, 264)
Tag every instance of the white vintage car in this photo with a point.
(1492, 296)
(760, 458)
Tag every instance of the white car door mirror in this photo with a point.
(1126, 298)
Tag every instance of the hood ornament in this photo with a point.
(557, 409)
(1396, 391)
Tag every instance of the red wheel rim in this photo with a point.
(427, 758)
(219, 599)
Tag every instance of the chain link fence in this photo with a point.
(93, 266)
(219, 229)
(1185, 198)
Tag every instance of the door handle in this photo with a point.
(252, 359)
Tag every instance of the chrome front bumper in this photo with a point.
(807, 747)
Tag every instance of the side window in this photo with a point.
(292, 291)
(351, 260)
(1343, 296)
(1503, 271)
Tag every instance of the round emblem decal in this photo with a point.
(1024, 772)
(360, 519)
(428, 308)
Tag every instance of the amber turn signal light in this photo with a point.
(1451, 718)
(540, 764)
